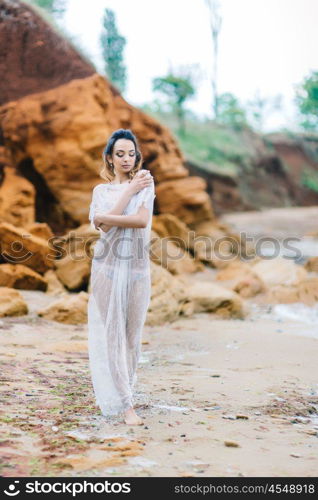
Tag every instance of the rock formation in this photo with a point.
(56, 116)
(38, 58)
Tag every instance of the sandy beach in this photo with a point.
(218, 398)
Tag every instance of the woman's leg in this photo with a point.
(138, 302)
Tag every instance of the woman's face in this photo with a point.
(124, 156)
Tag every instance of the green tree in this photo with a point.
(54, 7)
(112, 47)
(307, 101)
(178, 88)
(230, 112)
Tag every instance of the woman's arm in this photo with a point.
(117, 209)
(122, 203)
(140, 219)
(141, 180)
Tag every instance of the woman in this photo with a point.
(120, 274)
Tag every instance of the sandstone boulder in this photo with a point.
(168, 225)
(240, 277)
(12, 303)
(185, 198)
(17, 199)
(73, 270)
(40, 229)
(210, 297)
(21, 277)
(169, 255)
(70, 309)
(305, 291)
(216, 245)
(249, 286)
(55, 287)
(169, 299)
(20, 247)
(235, 269)
(279, 271)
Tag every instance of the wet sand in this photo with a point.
(218, 398)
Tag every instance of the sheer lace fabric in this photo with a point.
(119, 299)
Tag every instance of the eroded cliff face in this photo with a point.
(33, 57)
(279, 171)
(56, 116)
(56, 138)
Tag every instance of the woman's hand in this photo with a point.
(105, 227)
(98, 222)
(142, 179)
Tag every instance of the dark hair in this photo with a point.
(107, 171)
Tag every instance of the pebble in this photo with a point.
(229, 417)
(55, 428)
(311, 432)
(300, 420)
(295, 455)
(243, 417)
(233, 444)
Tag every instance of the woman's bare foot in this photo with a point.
(131, 418)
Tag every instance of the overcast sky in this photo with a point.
(264, 45)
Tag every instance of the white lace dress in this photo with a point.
(119, 299)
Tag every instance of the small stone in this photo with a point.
(295, 455)
(243, 417)
(233, 444)
(229, 417)
(55, 428)
(300, 420)
(311, 432)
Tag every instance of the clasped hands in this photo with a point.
(142, 179)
